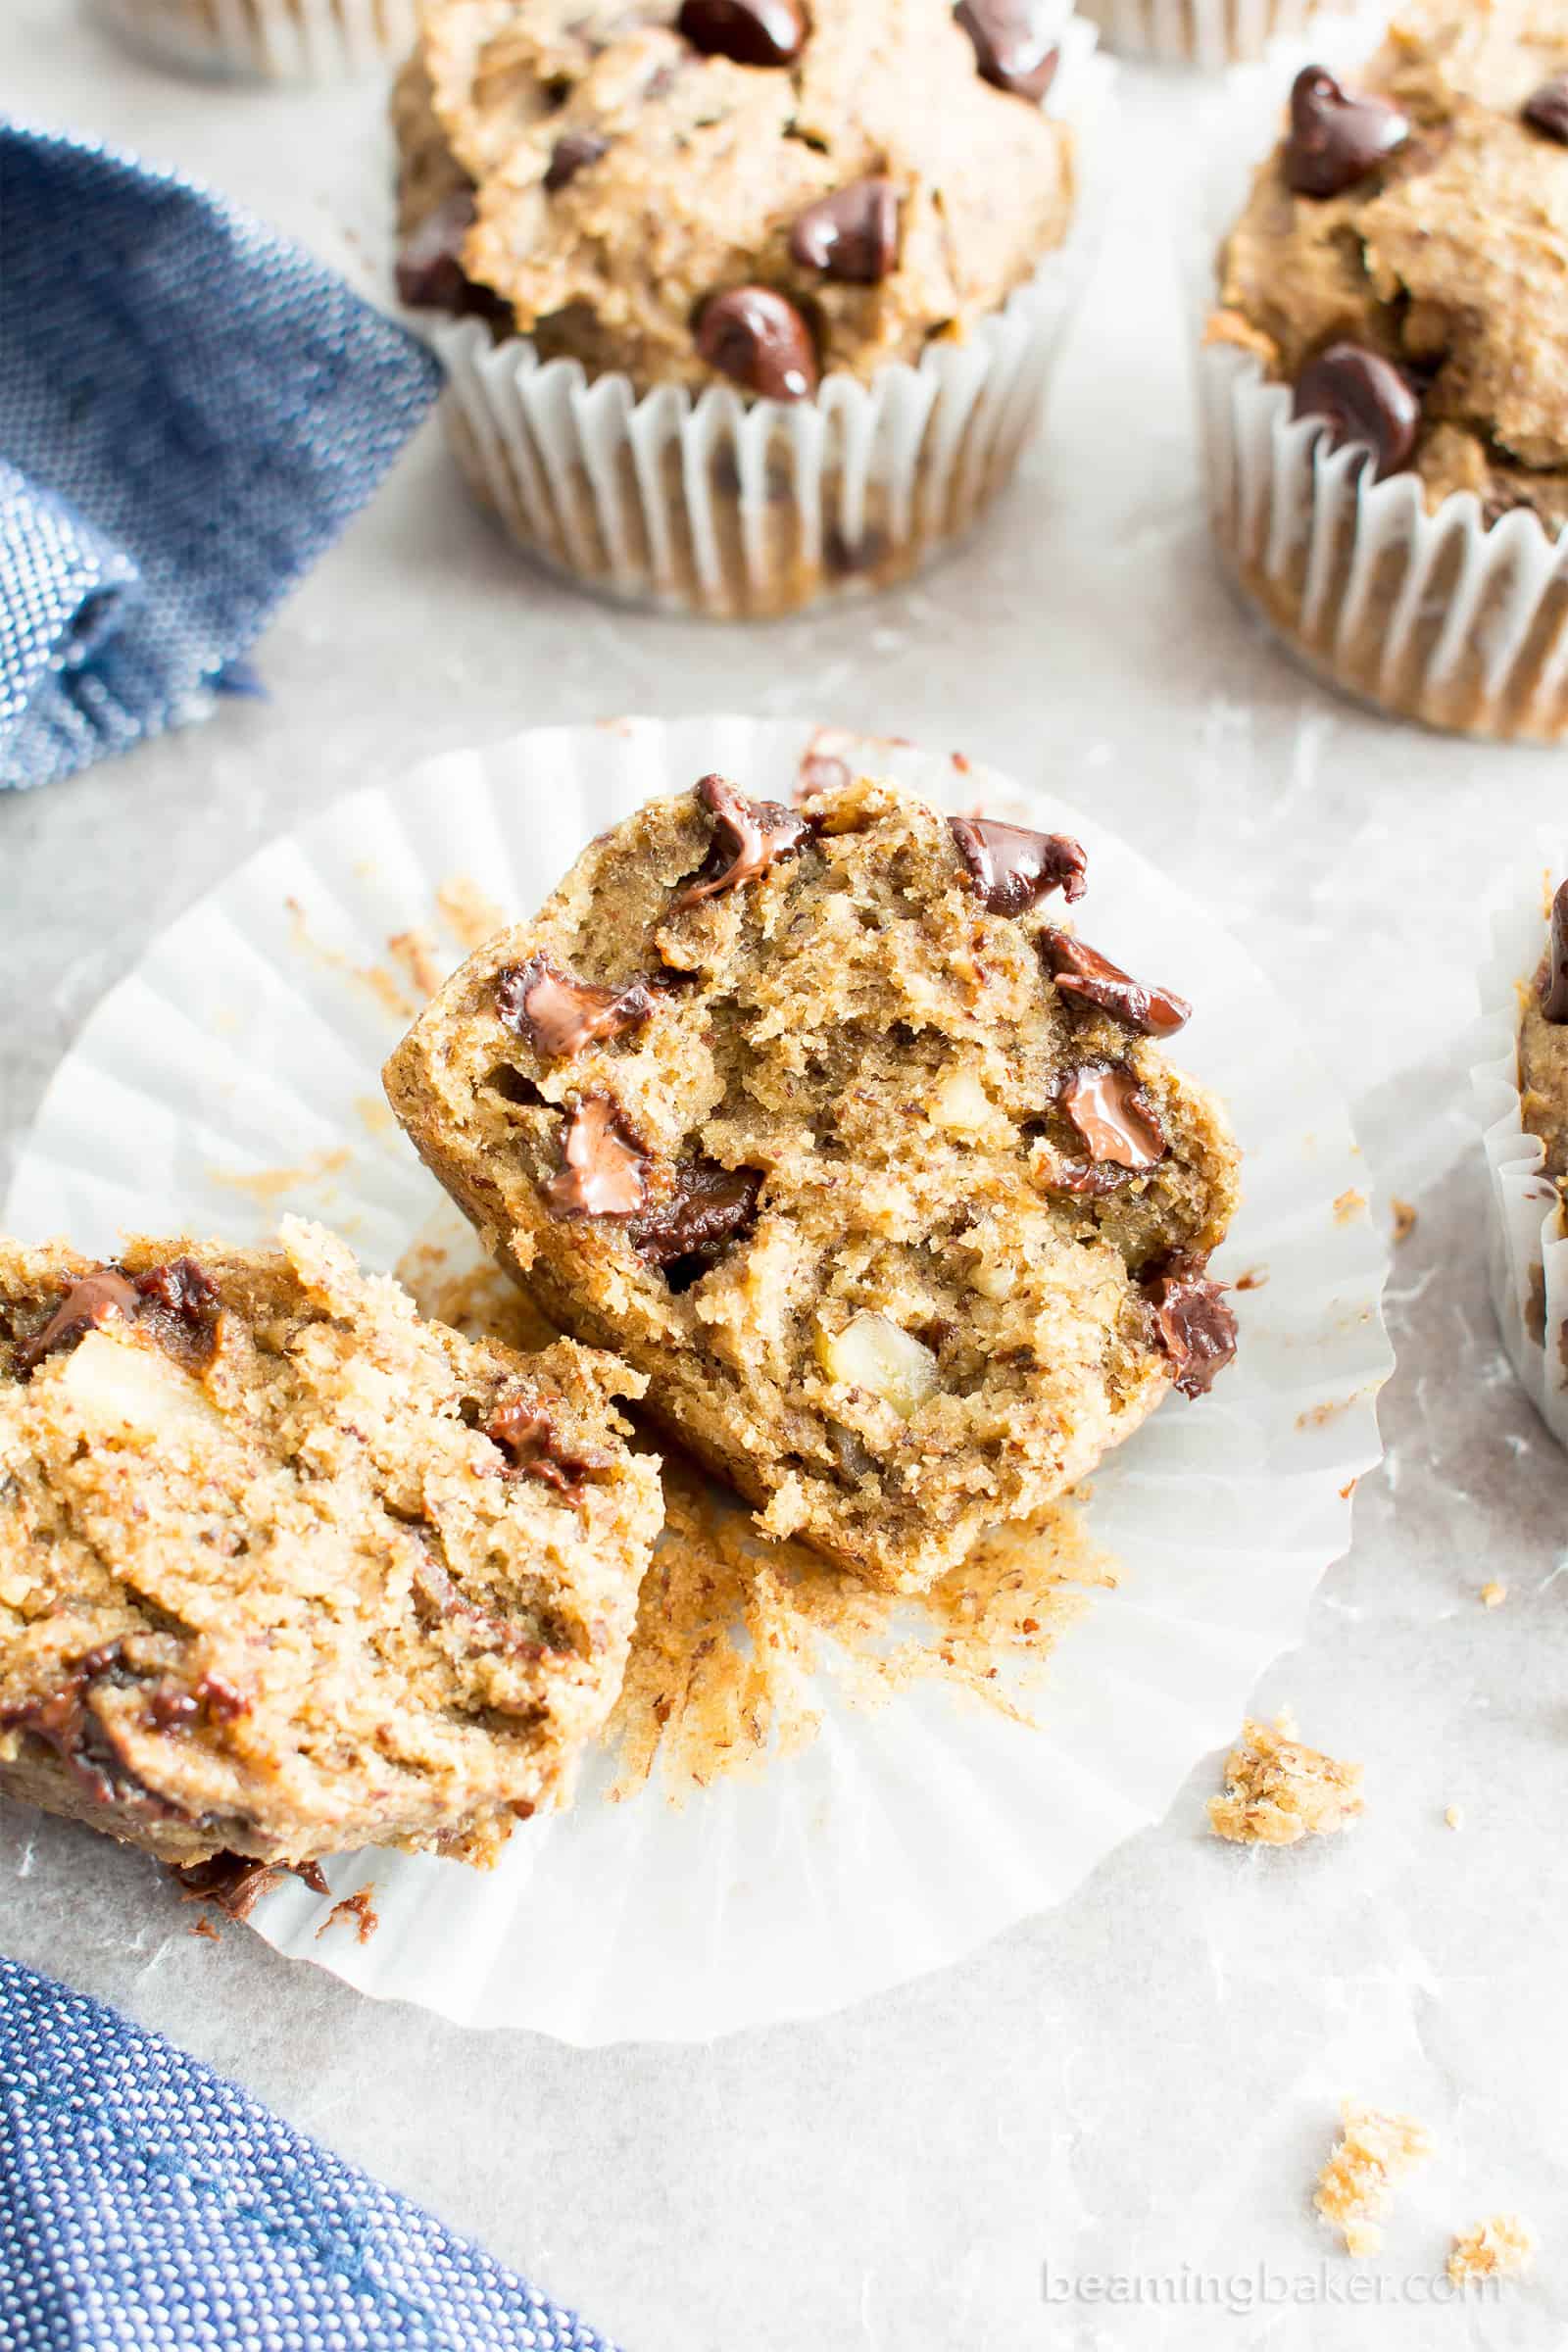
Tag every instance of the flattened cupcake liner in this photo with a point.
(905, 1835)
(284, 40)
(1527, 1243)
(1423, 612)
(1201, 33)
(745, 508)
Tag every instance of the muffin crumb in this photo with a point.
(1278, 1792)
(1503, 2246)
(1373, 2151)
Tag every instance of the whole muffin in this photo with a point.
(731, 195)
(1395, 284)
(282, 40)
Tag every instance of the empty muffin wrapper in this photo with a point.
(1425, 612)
(738, 507)
(905, 1835)
(1202, 33)
(1527, 1246)
(285, 40)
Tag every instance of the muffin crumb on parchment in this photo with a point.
(1503, 2246)
(1373, 2149)
(1277, 1791)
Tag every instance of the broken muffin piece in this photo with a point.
(285, 1570)
(819, 1117)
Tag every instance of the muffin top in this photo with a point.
(1403, 255)
(690, 191)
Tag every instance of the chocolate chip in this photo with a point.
(1015, 43)
(603, 1174)
(181, 1303)
(750, 32)
(1363, 398)
(430, 276)
(852, 236)
(561, 1015)
(1013, 869)
(709, 1207)
(1337, 135)
(1080, 970)
(528, 1433)
(572, 153)
(236, 1883)
(105, 1296)
(1114, 1116)
(748, 837)
(1554, 989)
(823, 771)
(1196, 1328)
(1546, 108)
(760, 341)
(62, 1720)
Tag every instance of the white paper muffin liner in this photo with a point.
(1425, 614)
(1527, 1247)
(284, 40)
(249, 1039)
(736, 508)
(1202, 33)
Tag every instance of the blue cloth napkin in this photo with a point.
(146, 2205)
(191, 409)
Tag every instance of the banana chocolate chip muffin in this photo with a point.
(1544, 1048)
(748, 195)
(285, 1570)
(1398, 269)
(825, 1120)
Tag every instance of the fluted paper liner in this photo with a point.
(1202, 33)
(285, 40)
(1424, 613)
(735, 508)
(249, 1042)
(1527, 1247)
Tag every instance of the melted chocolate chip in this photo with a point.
(430, 276)
(748, 837)
(561, 1015)
(181, 1303)
(106, 1296)
(572, 153)
(750, 32)
(213, 1700)
(529, 1436)
(441, 1601)
(1362, 397)
(760, 341)
(1114, 1116)
(1013, 869)
(1337, 136)
(64, 1721)
(602, 1171)
(1546, 108)
(1080, 970)
(852, 235)
(1554, 980)
(709, 1209)
(1196, 1328)
(1014, 44)
(235, 1883)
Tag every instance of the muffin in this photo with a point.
(824, 1120)
(1202, 33)
(285, 1570)
(281, 40)
(750, 306)
(1385, 385)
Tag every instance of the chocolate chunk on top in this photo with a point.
(602, 1175)
(750, 32)
(1363, 398)
(759, 339)
(748, 837)
(1546, 108)
(1197, 1329)
(1014, 44)
(561, 1015)
(1337, 135)
(1013, 868)
(1114, 1116)
(1554, 980)
(852, 236)
(1080, 970)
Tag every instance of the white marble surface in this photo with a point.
(1148, 2078)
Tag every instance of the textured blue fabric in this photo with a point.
(146, 2205)
(191, 409)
